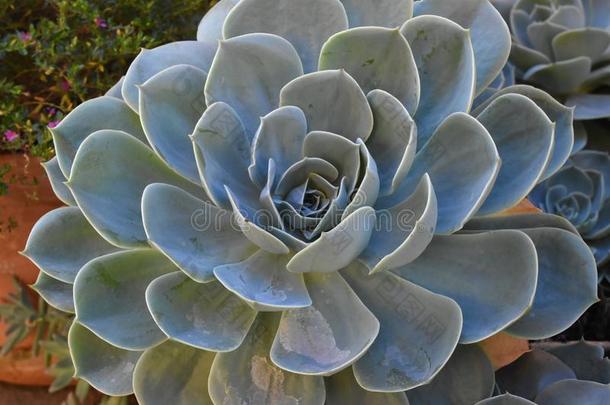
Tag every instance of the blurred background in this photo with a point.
(54, 55)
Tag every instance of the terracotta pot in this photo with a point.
(503, 349)
(20, 368)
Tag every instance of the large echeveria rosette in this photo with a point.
(312, 254)
(563, 47)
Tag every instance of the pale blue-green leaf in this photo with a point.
(585, 359)
(519, 22)
(418, 331)
(210, 26)
(332, 101)
(193, 234)
(599, 76)
(222, 153)
(110, 172)
(152, 61)
(334, 214)
(574, 179)
(492, 290)
(62, 241)
(505, 399)
(590, 42)
(55, 292)
(531, 373)
(403, 232)
(521, 221)
(263, 282)
(248, 73)
(524, 146)
(463, 162)
(602, 225)
(393, 141)
(524, 58)
(569, 392)
(489, 35)
(589, 106)
(171, 103)
(93, 115)
(338, 247)
(562, 294)
(307, 25)
(297, 174)
(109, 297)
(595, 160)
(107, 368)
(541, 36)
(562, 117)
(580, 136)
(173, 373)
(268, 205)
(568, 16)
(248, 376)
(115, 90)
(468, 377)
(329, 335)
(205, 316)
(57, 180)
(377, 58)
(383, 13)
(342, 388)
(597, 13)
(445, 61)
(368, 190)
(562, 77)
(279, 137)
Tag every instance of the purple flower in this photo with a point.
(65, 85)
(24, 36)
(100, 22)
(53, 124)
(10, 135)
(51, 111)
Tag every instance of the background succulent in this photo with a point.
(312, 254)
(562, 46)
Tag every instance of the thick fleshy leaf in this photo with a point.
(171, 103)
(109, 297)
(418, 331)
(338, 247)
(91, 116)
(342, 388)
(402, 232)
(531, 373)
(248, 376)
(193, 234)
(336, 150)
(594, 160)
(384, 13)
(248, 73)
(521, 221)
(210, 26)
(222, 152)
(597, 13)
(562, 77)
(568, 392)
(492, 290)
(263, 282)
(445, 61)
(332, 101)
(489, 35)
(107, 368)
(110, 173)
(173, 373)
(567, 284)
(468, 377)
(57, 293)
(57, 180)
(279, 137)
(589, 42)
(115, 90)
(368, 190)
(519, 22)
(205, 316)
(524, 58)
(541, 34)
(62, 241)
(462, 161)
(505, 399)
(307, 25)
(524, 146)
(152, 61)
(562, 117)
(393, 141)
(327, 336)
(377, 58)
(585, 359)
(581, 138)
(590, 106)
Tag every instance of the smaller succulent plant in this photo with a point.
(576, 373)
(580, 192)
(562, 46)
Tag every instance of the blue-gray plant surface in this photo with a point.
(301, 212)
(563, 47)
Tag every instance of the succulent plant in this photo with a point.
(575, 373)
(580, 192)
(327, 250)
(563, 47)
